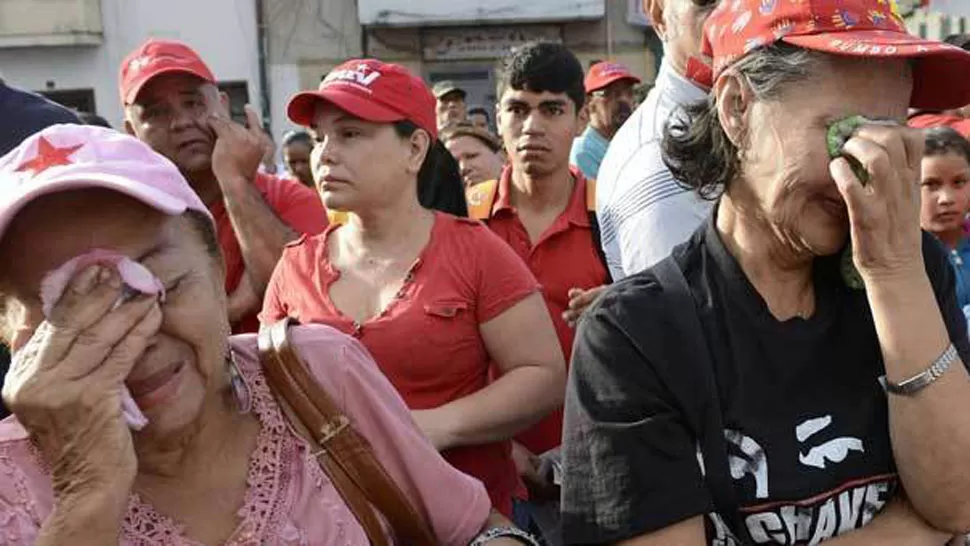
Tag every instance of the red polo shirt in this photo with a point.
(297, 205)
(427, 342)
(564, 257)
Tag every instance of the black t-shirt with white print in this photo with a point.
(805, 419)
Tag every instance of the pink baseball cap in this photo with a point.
(70, 157)
(154, 58)
(372, 91)
(604, 73)
(859, 28)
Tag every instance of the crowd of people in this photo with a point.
(715, 317)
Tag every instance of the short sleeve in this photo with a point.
(455, 504)
(503, 278)
(942, 277)
(274, 308)
(297, 205)
(630, 460)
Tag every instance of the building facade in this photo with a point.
(460, 40)
(71, 50)
(264, 51)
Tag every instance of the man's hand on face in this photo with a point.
(238, 150)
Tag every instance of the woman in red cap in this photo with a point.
(435, 298)
(796, 372)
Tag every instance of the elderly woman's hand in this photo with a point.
(65, 387)
(883, 214)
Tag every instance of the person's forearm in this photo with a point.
(517, 400)
(887, 530)
(931, 430)
(261, 234)
(89, 520)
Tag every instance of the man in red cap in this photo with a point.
(172, 104)
(609, 102)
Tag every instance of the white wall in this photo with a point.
(222, 31)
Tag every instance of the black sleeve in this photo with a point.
(630, 459)
(943, 279)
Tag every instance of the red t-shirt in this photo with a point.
(564, 257)
(427, 341)
(295, 204)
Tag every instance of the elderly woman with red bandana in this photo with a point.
(795, 372)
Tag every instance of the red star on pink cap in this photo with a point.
(48, 156)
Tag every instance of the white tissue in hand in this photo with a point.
(137, 280)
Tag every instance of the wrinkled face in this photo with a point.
(478, 163)
(479, 120)
(297, 158)
(945, 192)
(451, 109)
(611, 106)
(785, 164)
(171, 114)
(360, 165)
(185, 362)
(537, 129)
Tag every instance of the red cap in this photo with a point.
(604, 73)
(372, 91)
(857, 28)
(156, 57)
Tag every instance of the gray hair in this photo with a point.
(696, 149)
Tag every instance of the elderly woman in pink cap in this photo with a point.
(137, 419)
(795, 373)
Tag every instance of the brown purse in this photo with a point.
(344, 455)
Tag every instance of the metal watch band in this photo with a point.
(505, 532)
(919, 382)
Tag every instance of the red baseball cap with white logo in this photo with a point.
(604, 73)
(156, 57)
(857, 28)
(372, 91)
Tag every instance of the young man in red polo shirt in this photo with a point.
(172, 104)
(541, 205)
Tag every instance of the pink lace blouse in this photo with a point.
(290, 501)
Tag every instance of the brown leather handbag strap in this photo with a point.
(344, 455)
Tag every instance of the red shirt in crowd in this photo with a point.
(427, 341)
(295, 204)
(563, 258)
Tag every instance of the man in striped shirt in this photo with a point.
(643, 212)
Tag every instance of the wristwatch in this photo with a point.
(919, 382)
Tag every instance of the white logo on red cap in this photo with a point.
(363, 76)
(140, 63)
